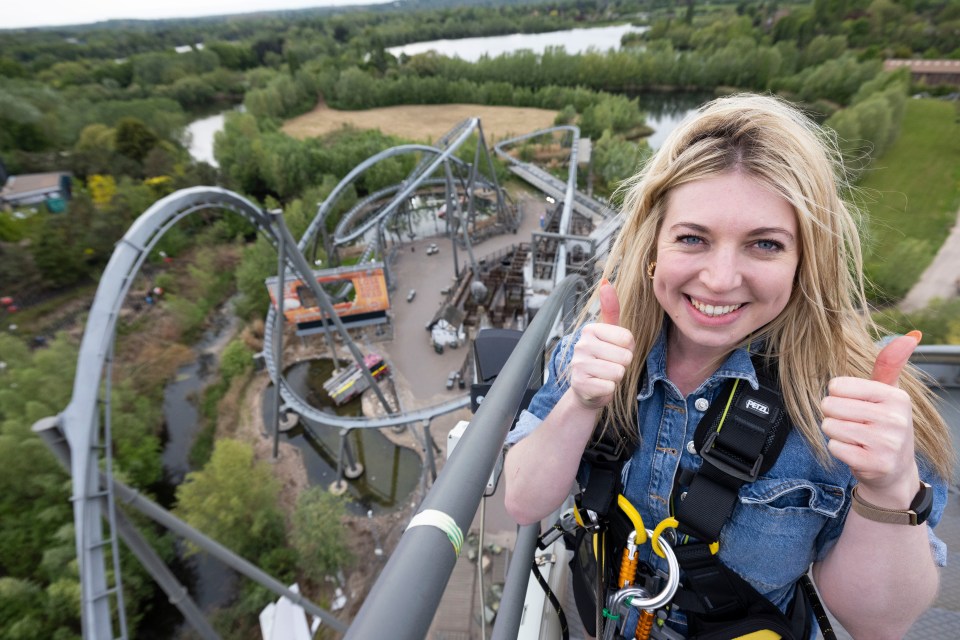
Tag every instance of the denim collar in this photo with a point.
(737, 365)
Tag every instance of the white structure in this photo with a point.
(285, 620)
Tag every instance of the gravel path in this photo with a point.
(941, 279)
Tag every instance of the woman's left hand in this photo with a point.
(870, 427)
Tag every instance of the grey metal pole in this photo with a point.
(278, 335)
(306, 274)
(464, 219)
(428, 447)
(515, 586)
(158, 514)
(405, 598)
(354, 469)
(49, 431)
(340, 481)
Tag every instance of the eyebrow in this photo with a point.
(759, 231)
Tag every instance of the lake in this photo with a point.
(664, 111)
(572, 40)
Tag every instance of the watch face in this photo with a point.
(922, 503)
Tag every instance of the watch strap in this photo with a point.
(917, 513)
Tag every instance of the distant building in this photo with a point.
(931, 72)
(52, 189)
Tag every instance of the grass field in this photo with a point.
(912, 194)
(422, 123)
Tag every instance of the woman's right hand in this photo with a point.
(601, 355)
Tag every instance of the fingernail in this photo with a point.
(916, 335)
(604, 281)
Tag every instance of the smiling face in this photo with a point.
(727, 254)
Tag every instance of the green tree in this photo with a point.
(318, 533)
(234, 500)
(134, 139)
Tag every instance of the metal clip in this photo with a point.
(640, 598)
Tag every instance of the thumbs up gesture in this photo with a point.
(870, 424)
(602, 354)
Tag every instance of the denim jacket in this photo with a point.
(787, 519)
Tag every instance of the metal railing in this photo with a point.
(405, 597)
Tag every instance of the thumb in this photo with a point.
(609, 303)
(893, 357)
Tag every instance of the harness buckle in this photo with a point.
(609, 449)
(727, 464)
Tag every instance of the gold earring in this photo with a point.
(651, 268)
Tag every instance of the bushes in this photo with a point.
(939, 321)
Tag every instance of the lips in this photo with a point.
(712, 310)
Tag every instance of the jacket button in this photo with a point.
(702, 404)
(691, 448)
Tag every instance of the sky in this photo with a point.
(45, 13)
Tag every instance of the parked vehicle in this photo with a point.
(452, 378)
(432, 248)
(411, 295)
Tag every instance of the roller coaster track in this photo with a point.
(567, 193)
(80, 421)
(392, 608)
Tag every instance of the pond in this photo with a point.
(391, 472)
(665, 110)
(572, 40)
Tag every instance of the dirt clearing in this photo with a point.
(423, 122)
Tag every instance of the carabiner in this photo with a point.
(640, 597)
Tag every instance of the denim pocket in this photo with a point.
(771, 536)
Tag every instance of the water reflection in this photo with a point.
(665, 110)
(391, 472)
(572, 40)
(200, 134)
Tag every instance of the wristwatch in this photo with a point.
(918, 512)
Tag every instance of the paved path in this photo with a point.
(421, 370)
(940, 278)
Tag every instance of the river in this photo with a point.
(211, 584)
(199, 137)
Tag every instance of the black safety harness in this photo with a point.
(739, 438)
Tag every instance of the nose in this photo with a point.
(721, 271)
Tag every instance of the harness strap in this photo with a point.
(738, 441)
(606, 455)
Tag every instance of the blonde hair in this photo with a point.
(825, 329)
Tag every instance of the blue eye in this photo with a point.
(689, 239)
(770, 245)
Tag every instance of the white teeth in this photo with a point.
(711, 310)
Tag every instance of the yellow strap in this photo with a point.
(672, 523)
(763, 634)
(576, 516)
(635, 518)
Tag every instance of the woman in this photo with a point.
(735, 243)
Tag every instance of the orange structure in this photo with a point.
(367, 303)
